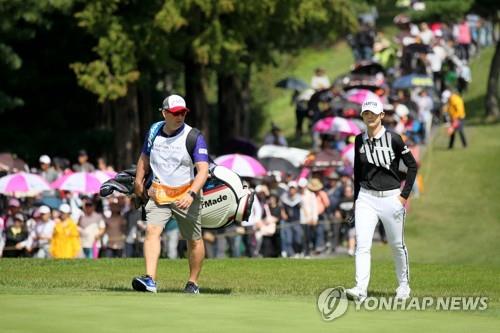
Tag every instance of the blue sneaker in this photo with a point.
(191, 288)
(144, 283)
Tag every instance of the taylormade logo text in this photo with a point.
(210, 202)
(333, 303)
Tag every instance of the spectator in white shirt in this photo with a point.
(320, 80)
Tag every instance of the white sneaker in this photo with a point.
(356, 294)
(403, 292)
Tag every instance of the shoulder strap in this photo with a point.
(191, 139)
(153, 132)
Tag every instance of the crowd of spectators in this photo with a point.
(293, 215)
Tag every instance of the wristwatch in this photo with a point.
(192, 194)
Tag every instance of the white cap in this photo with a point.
(402, 110)
(292, 183)
(303, 182)
(65, 208)
(174, 104)
(372, 104)
(44, 210)
(45, 159)
(445, 96)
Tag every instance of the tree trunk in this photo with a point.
(148, 111)
(492, 107)
(195, 78)
(127, 141)
(233, 107)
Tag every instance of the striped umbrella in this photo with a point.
(82, 182)
(243, 165)
(332, 125)
(104, 176)
(22, 182)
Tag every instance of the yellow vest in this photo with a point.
(456, 108)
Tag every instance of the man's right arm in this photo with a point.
(142, 170)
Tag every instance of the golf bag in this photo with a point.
(224, 198)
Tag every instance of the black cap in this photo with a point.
(82, 152)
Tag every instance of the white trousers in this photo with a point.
(369, 209)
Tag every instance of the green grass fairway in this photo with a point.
(246, 295)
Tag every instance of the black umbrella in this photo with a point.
(368, 67)
(417, 48)
(292, 84)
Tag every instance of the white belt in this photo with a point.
(381, 193)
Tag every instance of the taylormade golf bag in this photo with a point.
(224, 198)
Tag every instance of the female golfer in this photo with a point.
(377, 184)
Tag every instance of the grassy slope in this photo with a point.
(336, 60)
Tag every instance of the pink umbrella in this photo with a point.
(104, 176)
(336, 125)
(243, 165)
(348, 154)
(24, 183)
(82, 182)
(358, 96)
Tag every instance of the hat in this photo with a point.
(333, 175)
(402, 110)
(445, 96)
(65, 208)
(174, 104)
(45, 159)
(14, 203)
(372, 104)
(44, 210)
(82, 152)
(292, 183)
(302, 182)
(19, 217)
(315, 185)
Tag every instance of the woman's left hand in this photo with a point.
(402, 200)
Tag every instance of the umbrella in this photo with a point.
(412, 80)
(417, 48)
(332, 125)
(326, 158)
(358, 96)
(295, 156)
(280, 164)
(243, 165)
(23, 182)
(10, 161)
(82, 182)
(104, 176)
(292, 84)
(367, 67)
(348, 153)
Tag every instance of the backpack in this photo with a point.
(190, 141)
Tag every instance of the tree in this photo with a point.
(20, 19)
(492, 103)
(490, 9)
(127, 47)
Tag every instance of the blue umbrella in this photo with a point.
(412, 80)
(292, 84)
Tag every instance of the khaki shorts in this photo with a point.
(189, 221)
